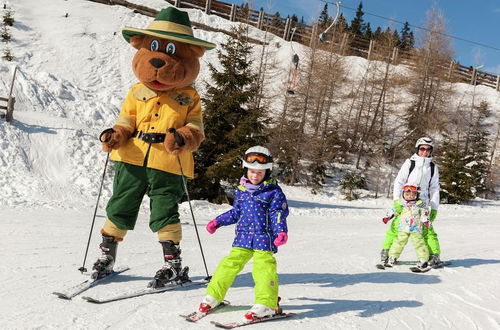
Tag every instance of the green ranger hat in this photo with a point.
(170, 23)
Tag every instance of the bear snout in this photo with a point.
(157, 62)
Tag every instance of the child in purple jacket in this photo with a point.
(259, 211)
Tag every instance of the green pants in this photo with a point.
(131, 183)
(429, 235)
(418, 243)
(263, 272)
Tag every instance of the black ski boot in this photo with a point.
(434, 260)
(104, 265)
(172, 271)
(384, 256)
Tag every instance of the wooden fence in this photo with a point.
(9, 108)
(342, 43)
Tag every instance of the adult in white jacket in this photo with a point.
(418, 170)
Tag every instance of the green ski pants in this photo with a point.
(418, 243)
(429, 235)
(131, 183)
(263, 272)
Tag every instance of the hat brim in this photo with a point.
(128, 32)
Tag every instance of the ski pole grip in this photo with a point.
(178, 138)
(105, 136)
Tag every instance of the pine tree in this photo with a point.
(233, 121)
(455, 173)
(358, 27)
(324, 18)
(478, 147)
(407, 38)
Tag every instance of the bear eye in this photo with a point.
(154, 45)
(170, 49)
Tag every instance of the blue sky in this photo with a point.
(477, 21)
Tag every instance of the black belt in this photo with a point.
(150, 137)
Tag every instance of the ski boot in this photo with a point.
(172, 270)
(104, 265)
(259, 311)
(384, 256)
(422, 265)
(391, 262)
(207, 305)
(434, 260)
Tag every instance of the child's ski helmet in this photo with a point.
(258, 158)
(411, 187)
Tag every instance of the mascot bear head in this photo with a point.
(168, 54)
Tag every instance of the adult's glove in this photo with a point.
(281, 239)
(433, 214)
(114, 138)
(212, 226)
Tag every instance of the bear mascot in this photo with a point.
(159, 126)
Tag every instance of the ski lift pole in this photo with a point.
(180, 142)
(106, 134)
(322, 36)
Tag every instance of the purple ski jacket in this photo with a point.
(259, 216)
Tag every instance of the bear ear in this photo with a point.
(136, 40)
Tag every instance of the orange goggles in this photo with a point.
(410, 188)
(258, 157)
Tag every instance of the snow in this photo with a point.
(73, 76)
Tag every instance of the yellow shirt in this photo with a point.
(155, 112)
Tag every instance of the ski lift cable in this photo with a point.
(425, 29)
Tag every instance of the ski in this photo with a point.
(87, 284)
(441, 264)
(145, 291)
(232, 325)
(416, 269)
(195, 316)
(380, 266)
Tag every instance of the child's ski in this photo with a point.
(195, 316)
(243, 323)
(441, 264)
(416, 269)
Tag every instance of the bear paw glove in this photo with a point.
(114, 138)
(191, 138)
(212, 226)
(281, 239)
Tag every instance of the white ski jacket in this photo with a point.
(420, 176)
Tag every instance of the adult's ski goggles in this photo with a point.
(410, 188)
(258, 157)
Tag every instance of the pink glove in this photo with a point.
(281, 239)
(427, 224)
(212, 226)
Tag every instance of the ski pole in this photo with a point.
(106, 134)
(180, 141)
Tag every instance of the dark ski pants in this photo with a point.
(131, 183)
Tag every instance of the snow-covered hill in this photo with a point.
(73, 75)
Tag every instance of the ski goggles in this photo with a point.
(258, 157)
(425, 149)
(410, 188)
